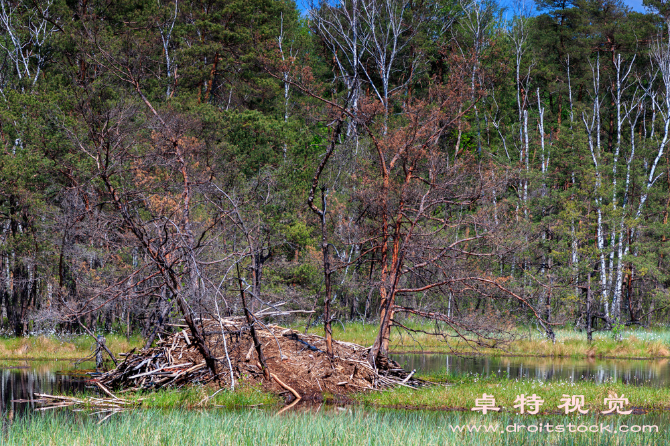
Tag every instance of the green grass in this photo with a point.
(462, 391)
(327, 427)
(49, 348)
(635, 343)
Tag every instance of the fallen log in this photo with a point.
(290, 389)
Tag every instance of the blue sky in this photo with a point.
(636, 5)
(512, 5)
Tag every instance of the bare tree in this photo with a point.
(27, 28)
(341, 28)
(166, 28)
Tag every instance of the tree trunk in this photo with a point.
(589, 316)
(250, 321)
(326, 275)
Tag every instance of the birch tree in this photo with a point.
(26, 29)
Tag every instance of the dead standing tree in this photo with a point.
(370, 42)
(410, 183)
(148, 163)
(131, 167)
(429, 220)
(321, 213)
(412, 199)
(245, 212)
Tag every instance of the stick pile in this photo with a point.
(297, 363)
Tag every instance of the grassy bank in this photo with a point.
(458, 394)
(334, 426)
(461, 392)
(50, 348)
(633, 344)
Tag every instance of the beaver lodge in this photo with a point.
(282, 360)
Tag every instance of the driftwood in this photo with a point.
(48, 402)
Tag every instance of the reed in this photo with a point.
(341, 426)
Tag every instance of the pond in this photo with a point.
(653, 373)
(354, 424)
(20, 380)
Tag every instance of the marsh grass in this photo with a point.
(334, 426)
(635, 343)
(462, 390)
(50, 347)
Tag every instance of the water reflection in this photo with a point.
(20, 380)
(655, 373)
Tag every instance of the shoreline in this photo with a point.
(528, 355)
(571, 346)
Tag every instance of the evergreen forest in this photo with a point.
(482, 167)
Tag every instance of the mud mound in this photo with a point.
(295, 362)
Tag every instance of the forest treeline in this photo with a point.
(362, 159)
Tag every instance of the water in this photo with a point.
(345, 425)
(653, 373)
(21, 425)
(20, 380)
